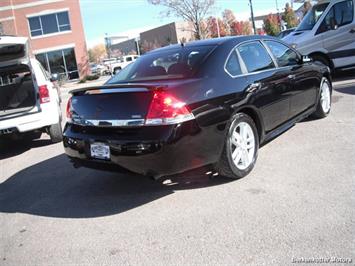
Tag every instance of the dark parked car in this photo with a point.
(210, 102)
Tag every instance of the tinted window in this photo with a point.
(285, 56)
(51, 23)
(35, 26)
(340, 14)
(232, 65)
(344, 12)
(128, 59)
(176, 63)
(255, 57)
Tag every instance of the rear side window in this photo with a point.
(182, 62)
(232, 65)
(285, 56)
(255, 57)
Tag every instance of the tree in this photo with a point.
(289, 17)
(228, 19)
(241, 28)
(193, 11)
(97, 53)
(271, 25)
(213, 27)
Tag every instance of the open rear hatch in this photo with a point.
(17, 88)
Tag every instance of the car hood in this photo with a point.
(296, 37)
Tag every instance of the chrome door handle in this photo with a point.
(253, 87)
(291, 76)
(352, 30)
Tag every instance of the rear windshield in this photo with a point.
(170, 64)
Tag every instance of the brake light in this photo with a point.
(69, 112)
(43, 94)
(166, 109)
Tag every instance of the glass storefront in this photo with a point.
(62, 62)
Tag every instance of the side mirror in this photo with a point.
(54, 77)
(306, 59)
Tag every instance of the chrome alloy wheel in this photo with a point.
(325, 97)
(242, 142)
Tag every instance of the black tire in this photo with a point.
(225, 166)
(320, 113)
(55, 132)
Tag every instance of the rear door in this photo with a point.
(338, 33)
(269, 86)
(303, 81)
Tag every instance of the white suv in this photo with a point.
(327, 34)
(29, 102)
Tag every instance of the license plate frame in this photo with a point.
(99, 150)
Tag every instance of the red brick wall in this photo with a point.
(76, 35)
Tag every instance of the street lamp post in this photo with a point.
(252, 15)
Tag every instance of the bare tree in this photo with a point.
(193, 11)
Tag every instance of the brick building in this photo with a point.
(55, 32)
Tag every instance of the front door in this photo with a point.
(338, 33)
(271, 86)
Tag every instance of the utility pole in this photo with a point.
(252, 15)
(218, 32)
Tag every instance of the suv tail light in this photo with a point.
(69, 112)
(165, 109)
(43, 94)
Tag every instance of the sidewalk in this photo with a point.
(65, 88)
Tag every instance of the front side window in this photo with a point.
(173, 63)
(340, 14)
(255, 57)
(232, 65)
(285, 56)
(47, 24)
(312, 17)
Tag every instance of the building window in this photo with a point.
(61, 62)
(52, 23)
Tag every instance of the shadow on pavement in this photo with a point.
(10, 148)
(349, 89)
(54, 188)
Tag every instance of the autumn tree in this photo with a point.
(214, 26)
(289, 17)
(193, 11)
(228, 19)
(271, 25)
(97, 53)
(241, 28)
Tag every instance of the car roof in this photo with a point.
(214, 42)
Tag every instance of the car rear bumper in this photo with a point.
(153, 150)
(29, 121)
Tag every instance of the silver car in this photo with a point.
(327, 34)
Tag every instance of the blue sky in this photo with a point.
(115, 16)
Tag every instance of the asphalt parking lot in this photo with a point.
(297, 203)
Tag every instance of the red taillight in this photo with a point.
(43, 94)
(68, 110)
(166, 109)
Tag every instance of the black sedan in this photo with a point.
(203, 103)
